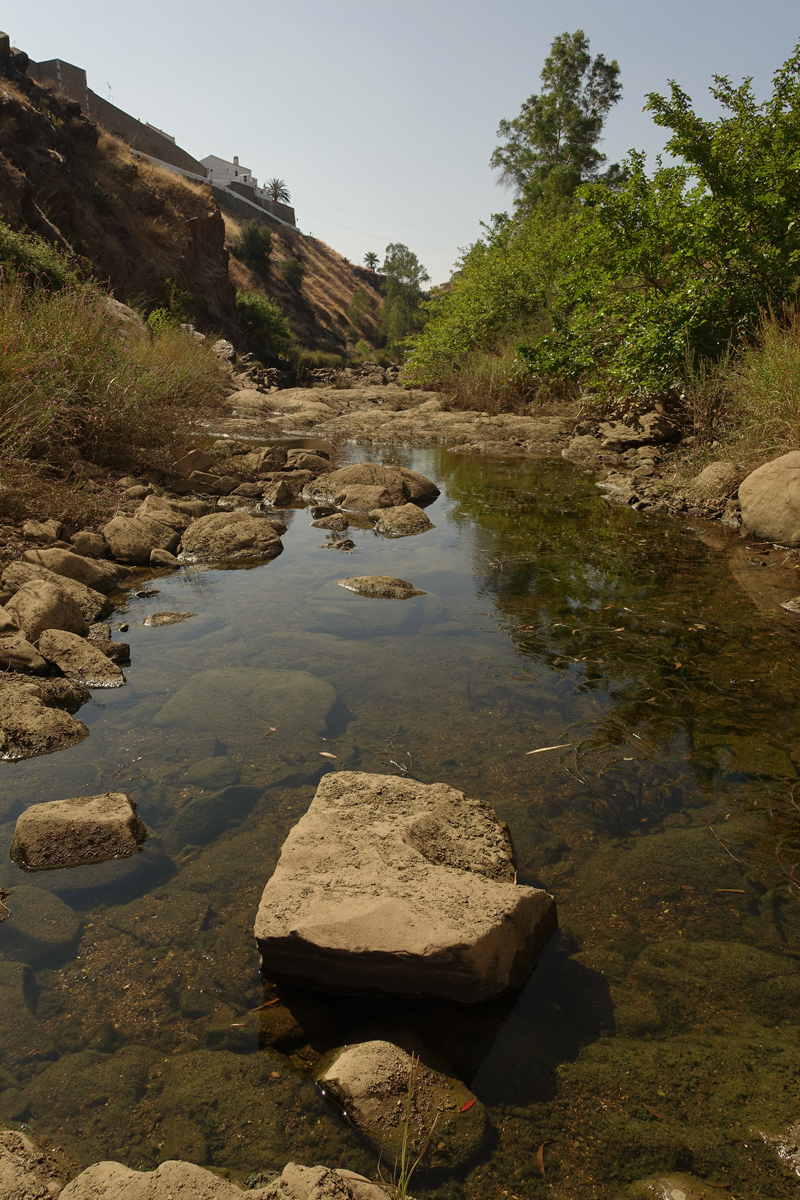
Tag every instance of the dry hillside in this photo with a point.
(141, 227)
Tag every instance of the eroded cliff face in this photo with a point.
(138, 226)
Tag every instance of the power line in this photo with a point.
(376, 237)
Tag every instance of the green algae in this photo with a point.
(658, 1036)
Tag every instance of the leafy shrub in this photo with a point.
(33, 260)
(292, 271)
(253, 245)
(264, 325)
(100, 200)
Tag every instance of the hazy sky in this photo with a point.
(381, 116)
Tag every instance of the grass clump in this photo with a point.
(263, 324)
(34, 261)
(73, 383)
(293, 271)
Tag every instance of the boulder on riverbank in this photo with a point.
(770, 500)
(173, 1179)
(370, 1081)
(381, 587)
(393, 886)
(26, 1172)
(400, 485)
(226, 536)
(131, 539)
(39, 605)
(405, 520)
(91, 602)
(31, 721)
(77, 831)
(92, 572)
(17, 654)
(80, 659)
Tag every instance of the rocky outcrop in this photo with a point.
(381, 587)
(80, 659)
(39, 605)
(91, 603)
(649, 429)
(74, 832)
(229, 536)
(770, 500)
(32, 723)
(370, 1082)
(94, 573)
(340, 487)
(203, 271)
(394, 886)
(173, 1179)
(403, 521)
(131, 540)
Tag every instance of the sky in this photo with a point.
(380, 115)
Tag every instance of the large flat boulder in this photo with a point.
(77, 831)
(93, 572)
(40, 605)
(131, 540)
(402, 521)
(80, 659)
(175, 1179)
(226, 536)
(91, 602)
(393, 886)
(770, 500)
(402, 484)
(31, 722)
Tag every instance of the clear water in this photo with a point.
(659, 1031)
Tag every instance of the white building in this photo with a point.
(223, 172)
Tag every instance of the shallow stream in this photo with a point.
(659, 1031)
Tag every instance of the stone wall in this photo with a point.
(62, 77)
(283, 212)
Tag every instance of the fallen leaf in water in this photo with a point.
(654, 1112)
(540, 1158)
(467, 1105)
(620, 630)
(327, 754)
(560, 746)
(678, 665)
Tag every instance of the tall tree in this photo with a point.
(371, 260)
(277, 190)
(552, 146)
(403, 292)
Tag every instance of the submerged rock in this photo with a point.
(225, 536)
(370, 1081)
(403, 521)
(113, 1181)
(394, 886)
(383, 587)
(156, 620)
(77, 831)
(29, 724)
(338, 522)
(770, 500)
(39, 929)
(80, 659)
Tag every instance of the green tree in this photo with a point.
(263, 323)
(552, 146)
(401, 309)
(253, 245)
(277, 190)
(371, 260)
(293, 271)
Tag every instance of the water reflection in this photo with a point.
(665, 824)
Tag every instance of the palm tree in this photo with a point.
(371, 260)
(277, 190)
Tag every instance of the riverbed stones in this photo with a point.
(80, 659)
(131, 540)
(94, 573)
(338, 522)
(17, 654)
(91, 602)
(393, 886)
(649, 429)
(277, 494)
(39, 605)
(158, 619)
(39, 928)
(770, 500)
(194, 460)
(77, 831)
(265, 458)
(220, 485)
(228, 536)
(400, 484)
(8, 626)
(370, 1082)
(157, 508)
(32, 723)
(174, 1178)
(381, 587)
(163, 558)
(44, 532)
(89, 544)
(404, 520)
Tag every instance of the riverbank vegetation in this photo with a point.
(676, 279)
(78, 382)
